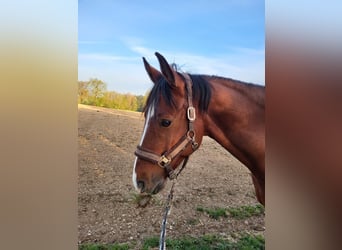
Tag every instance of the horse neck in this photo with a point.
(235, 119)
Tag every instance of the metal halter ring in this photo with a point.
(191, 112)
(164, 161)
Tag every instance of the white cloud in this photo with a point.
(243, 64)
(105, 57)
(127, 73)
(142, 51)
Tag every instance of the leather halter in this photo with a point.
(164, 161)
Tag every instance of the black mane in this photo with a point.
(200, 88)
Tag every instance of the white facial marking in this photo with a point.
(149, 115)
(134, 175)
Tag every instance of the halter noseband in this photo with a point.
(164, 161)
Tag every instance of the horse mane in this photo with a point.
(202, 91)
(253, 91)
(200, 88)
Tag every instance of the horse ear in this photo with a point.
(166, 70)
(153, 73)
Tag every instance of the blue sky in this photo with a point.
(214, 37)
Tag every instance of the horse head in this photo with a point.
(170, 132)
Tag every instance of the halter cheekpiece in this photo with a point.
(164, 161)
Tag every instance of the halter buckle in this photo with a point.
(172, 175)
(164, 161)
(191, 112)
(194, 145)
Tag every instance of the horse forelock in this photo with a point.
(201, 93)
(160, 89)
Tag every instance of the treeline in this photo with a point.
(94, 92)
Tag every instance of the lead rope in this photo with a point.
(191, 117)
(162, 239)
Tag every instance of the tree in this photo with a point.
(94, 92)
(97, 89)
(141, 103)
(83, 92)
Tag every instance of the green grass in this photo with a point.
(214, 213)
(207, 242)
(246, 211)
(242, 212)
(136, 199)
(251, 243)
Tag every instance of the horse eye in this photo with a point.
(165, 123)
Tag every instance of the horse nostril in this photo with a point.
(141, 185)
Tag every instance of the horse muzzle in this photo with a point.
(150, 188)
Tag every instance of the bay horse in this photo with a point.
(182, 108)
